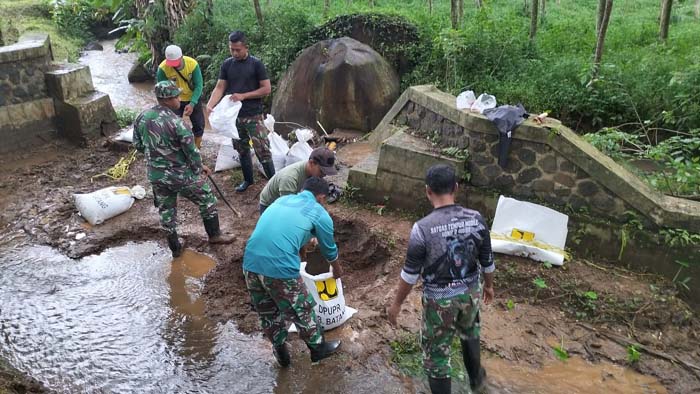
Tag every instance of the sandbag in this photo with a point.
(327, 291)
(126, 135)
(228, 158)
(529, 230)
(279, 149)
(223, 118)
(301, 150)
(103, 204)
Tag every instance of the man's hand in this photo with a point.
(392, 313)
(337, 269)
(188, 110)
(488, 294)
(238, 97)
(206, 170)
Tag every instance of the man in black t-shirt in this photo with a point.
(450, 250)
(244, 77)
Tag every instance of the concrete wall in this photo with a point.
(547, 164)
(40, 100)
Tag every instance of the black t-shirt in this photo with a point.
(243, 76)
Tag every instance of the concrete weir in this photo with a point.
(41, 100)
(614, 215)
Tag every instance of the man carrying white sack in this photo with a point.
(448, 249)
(271, 266)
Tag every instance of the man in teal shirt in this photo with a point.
(271, 267)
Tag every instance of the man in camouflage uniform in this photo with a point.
(449, 249)
(271, 268)
(244, 78)
(175, 166)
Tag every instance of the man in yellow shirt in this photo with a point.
(186, 74)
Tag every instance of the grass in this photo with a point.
(24, 16)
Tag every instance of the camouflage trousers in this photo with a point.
(165, 199)
(442, 320)
(280, 301)
(253, 129)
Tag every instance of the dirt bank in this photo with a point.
(595, 309)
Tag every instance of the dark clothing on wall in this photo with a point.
(506, 118)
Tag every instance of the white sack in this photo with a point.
(279, 149)
(269, 123)
(227, 158)
(126, 135)
(301, 150)
(484, 102)
(465, 100)
(223, 118)
(547, 227)
(328, 294)
(103, 204)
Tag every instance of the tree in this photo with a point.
(430, 7)
(478, 3)
(460, 9)
(600, 14)
(326, 8)
(665, 19)
(533, 19)
(603, 29)
(543, 13)
(162, 18)
(258, 13)
(697, 9)
(454, 13)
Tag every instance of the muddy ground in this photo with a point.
(595, 309)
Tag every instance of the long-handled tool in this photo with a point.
(223, 197)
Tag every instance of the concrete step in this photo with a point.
(363, 175)
(405, 155)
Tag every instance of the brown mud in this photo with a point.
(519, 330)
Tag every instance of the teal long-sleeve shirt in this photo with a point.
(282, 230)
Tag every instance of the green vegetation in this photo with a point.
(126, 116)
(633, 354)
(560, 352)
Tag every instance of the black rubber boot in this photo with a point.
(282, 355)
(269, 168)
(175, 245)
(471, 352)
(325, 349)
(247, 168)
(214, 232)
(440, 386)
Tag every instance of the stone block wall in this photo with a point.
(535, 171)
(22, 65)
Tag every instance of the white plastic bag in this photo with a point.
(103, 204)
(328, 294)
(485, 101)
(269, 123)
(301, 150)
(126, 135)
(279, 149)
(465, 100)
(223, 118)
(529, 230)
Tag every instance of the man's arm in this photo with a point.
(217, 94)
(288, 186)
(198, 83)
(136, 140)
(264, 90)
(323, 229)
(160, 75)
(488, 266)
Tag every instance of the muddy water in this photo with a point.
(128, 319)
(109, 74)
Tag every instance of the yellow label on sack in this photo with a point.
(327, 289)
(520, 234)
(122, 190)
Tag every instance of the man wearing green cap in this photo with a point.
(175, 166)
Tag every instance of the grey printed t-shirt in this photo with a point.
(448, 249)
(289, 180)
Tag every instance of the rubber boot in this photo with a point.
(323, 350)
(282, 355)
(440, 386)
(174, 244)
(214, 232)
(247, 168)
(471, 352)
(269, 169)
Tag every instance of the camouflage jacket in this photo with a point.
(171, 155)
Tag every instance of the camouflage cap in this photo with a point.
(167, 89)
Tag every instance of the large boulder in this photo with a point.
(139, 73)
(342, 83)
